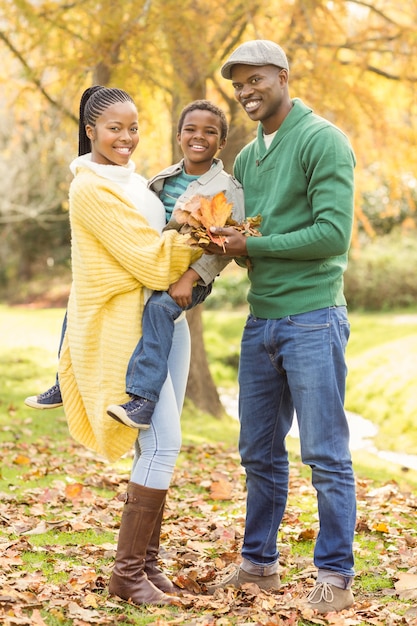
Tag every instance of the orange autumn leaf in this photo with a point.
(307, 534)
(73, 491)
(198, 214)
(380, 527)
(188, 583)
(21, 459)
(221, 490)
(186, 217)
(215, 211)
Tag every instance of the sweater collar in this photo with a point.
(116, 173)
(298, 111)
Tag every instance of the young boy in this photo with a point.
(202, 132)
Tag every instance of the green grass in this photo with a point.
(222, 334)
(382, 354)
(382, 359)
(382, 362)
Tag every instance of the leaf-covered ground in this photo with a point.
(60, 513)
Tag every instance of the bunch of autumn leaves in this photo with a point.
(200, 213)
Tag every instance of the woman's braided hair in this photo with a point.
(94, 101)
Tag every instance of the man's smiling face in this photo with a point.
(262, 92)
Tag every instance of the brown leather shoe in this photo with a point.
(325, 598)
(239, 577)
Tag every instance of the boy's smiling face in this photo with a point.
(200, 140)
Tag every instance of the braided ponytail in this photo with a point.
(94, 101)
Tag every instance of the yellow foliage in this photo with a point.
(354, 64)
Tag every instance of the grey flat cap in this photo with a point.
(256, 52)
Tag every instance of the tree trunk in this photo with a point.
(200, 387)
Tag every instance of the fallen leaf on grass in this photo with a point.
(73, 491)
(76, 611)
(90, 601)
(44, 526)
(187, 582)
(406, 586)
(20, 459)
(83, 579)
(307, 535)
(380, 527)
(201, 541)
(221, 490)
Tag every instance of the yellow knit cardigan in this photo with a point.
(115, 254)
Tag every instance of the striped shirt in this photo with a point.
(174, 187)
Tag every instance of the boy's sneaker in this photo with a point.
(137, 413)
(325, 598)
(50, 399)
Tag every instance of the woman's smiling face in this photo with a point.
(115, 135)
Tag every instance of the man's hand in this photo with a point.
(234, 242)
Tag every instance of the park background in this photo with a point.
(354, 63)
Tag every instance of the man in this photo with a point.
(298, 174)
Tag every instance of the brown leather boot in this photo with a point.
(152, 569)
(140, 514)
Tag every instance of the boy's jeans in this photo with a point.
(297, 363)
(148, 366)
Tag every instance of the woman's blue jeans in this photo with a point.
(297, 364)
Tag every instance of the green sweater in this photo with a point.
(303, 187)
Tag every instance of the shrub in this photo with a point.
(381, 275)
(229, 291)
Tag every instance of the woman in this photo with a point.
(118, 257)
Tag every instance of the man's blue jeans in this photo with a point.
(297, 363)
(148, 366)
